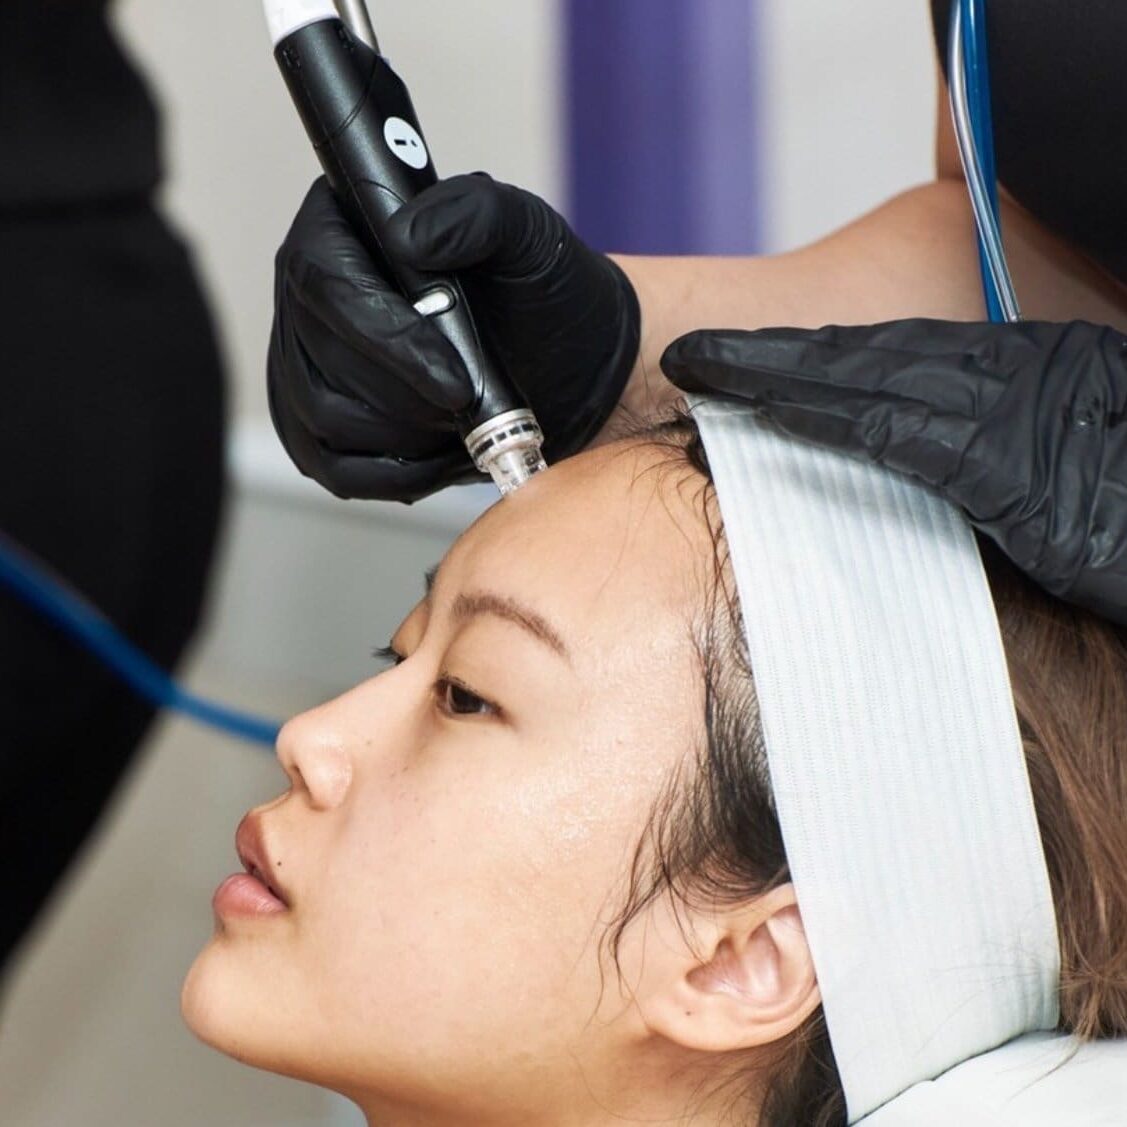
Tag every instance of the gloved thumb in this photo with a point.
(454, 224)
(475, 221)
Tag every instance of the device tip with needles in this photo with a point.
(359, 117)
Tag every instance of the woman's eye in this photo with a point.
(456, 699)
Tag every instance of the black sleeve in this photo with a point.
(77, 124)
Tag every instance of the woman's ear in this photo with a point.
(739, 977)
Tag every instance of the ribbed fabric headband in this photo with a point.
(895, 757)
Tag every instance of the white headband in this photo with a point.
(895, 757)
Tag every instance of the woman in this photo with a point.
(533, 873)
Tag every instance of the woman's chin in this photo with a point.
(233, 1002)
(215, 1005)
(222, 1005)
(202, 1001)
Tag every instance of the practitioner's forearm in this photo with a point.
(914, 256)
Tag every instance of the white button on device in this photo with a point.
(437, 301)
(404, 141)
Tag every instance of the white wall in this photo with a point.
(848, 111)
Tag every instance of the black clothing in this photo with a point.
(1060, 101)
(76, 123)
(111, 427)
(110, 457)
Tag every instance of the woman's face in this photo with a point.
(459, 829)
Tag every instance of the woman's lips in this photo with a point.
(245, 895)
(257, 891)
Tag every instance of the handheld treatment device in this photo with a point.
(363, 127)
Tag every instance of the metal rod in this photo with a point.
(354, 14)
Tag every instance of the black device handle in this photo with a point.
(359, 117)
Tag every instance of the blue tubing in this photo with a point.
(31, 581)
(978, 71)
(971, 114)
(978, 96)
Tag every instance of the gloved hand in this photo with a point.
(363, 391)
(1024, 426)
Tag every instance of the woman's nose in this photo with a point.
(314, 752)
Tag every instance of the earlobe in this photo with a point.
(750, 980)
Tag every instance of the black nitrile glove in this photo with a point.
(364, 391)
(1024, 426)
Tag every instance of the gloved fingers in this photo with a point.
(369, 476)
(327, 282)
(303, 403)
(454, 224)
(908, 438)
(474, 221)
(391, 479)
(796, 366)
(986, 341)
(341, 422)
(320, 233)
(336, 315)
(404, 381)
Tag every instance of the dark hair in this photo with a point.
(714, 834)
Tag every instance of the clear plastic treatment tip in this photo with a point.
(508, 448)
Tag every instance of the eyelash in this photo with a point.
(453, 697)
(388, 655)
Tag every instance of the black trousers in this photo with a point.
(111, 446)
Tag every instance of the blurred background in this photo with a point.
(657, 126)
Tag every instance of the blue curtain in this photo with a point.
(661, 124)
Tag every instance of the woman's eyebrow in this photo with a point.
(488, 602)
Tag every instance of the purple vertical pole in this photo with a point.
(661, 125)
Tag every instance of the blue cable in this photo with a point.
(981, 113)
(57, 601)
(978, 66)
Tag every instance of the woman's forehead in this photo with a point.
(603, 542)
